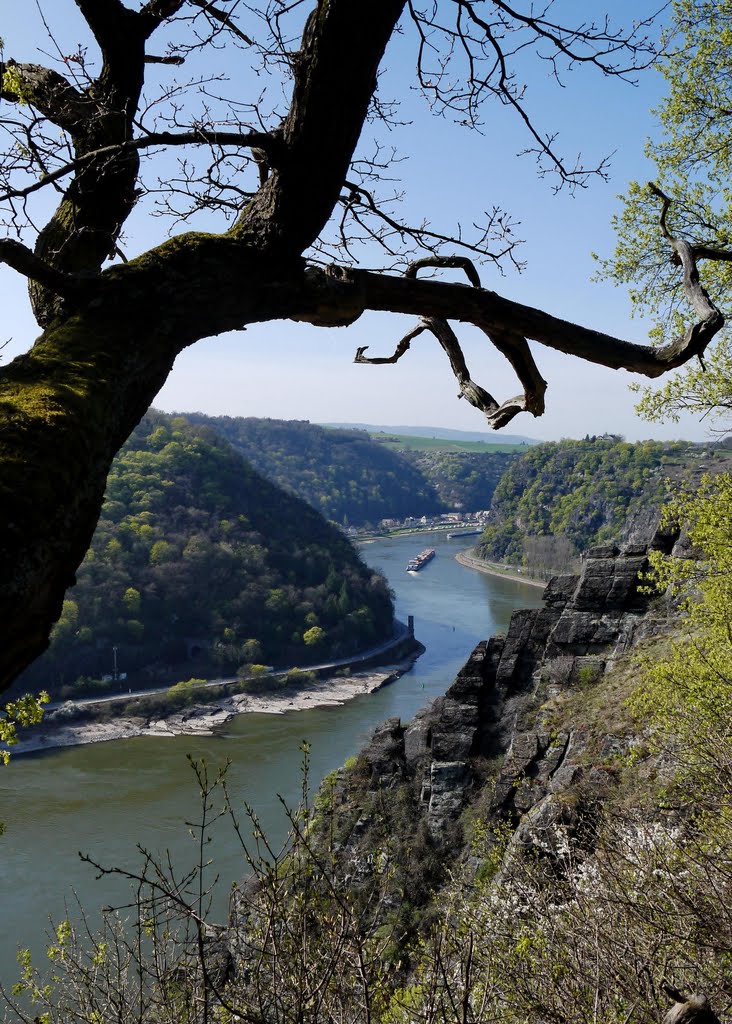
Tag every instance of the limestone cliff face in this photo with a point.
(490, 745)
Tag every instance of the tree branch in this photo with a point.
(103, 17)
(511, 345)
(516, 350)
(46, 90)
(709, 252)
(452, 262)
(327, 297)
(245, 140)
(696, 338)
(402, 347)
(15, 255)
(224, 17)
(335, 78)
(84, 230)
(426, 238)
(150, 58)
(665, 204)
(485, 41)
(497, 415)
(159, 10)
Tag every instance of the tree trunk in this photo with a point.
(68, 405)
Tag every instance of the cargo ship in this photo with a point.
(415, 564)
(464, 533)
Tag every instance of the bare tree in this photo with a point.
(288, 192)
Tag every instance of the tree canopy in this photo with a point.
(281, 188)
(693, 157)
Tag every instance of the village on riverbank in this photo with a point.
(471, 522)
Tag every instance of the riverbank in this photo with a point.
(370, 538)
(496, 569)
(209, 719)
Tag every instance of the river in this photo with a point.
(105, 798)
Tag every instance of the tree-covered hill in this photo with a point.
(462, 480)
(198, 558)
(354, 479)
(559, 498)
(342, 473)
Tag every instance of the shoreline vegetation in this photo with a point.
(469, 560)
(210, 718)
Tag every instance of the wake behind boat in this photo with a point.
(415, 564)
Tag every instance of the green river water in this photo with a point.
(105, 798)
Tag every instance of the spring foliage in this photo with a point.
(580, 490)
(686, 696)
(25, 711)
(693, 159)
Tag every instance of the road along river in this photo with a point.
(105, 798)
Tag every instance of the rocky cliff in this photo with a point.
(502, 857)
(515, 739)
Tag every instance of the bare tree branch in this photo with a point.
(498, 227)
(268, 144)
(491, 311)
(476, 395)
(224, 17)
(516, 350)
(709, 252)
(452, 262)
(463, 60)
(698, 335)
(402, 347)
(513, 346)
(48, 91)
(171, 59)
(17, 256)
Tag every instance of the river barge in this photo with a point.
(415, 564)
(463, 533)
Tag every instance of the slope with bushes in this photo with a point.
(463, 480)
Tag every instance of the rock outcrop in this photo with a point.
(487, 740)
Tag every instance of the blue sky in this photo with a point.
(287, 370)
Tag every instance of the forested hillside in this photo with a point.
(199, 561)
(462, 480)
(342, 473)
(559, 498)
(356, 480)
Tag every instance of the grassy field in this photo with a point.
(401, 442)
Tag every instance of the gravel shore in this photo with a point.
(207, 719)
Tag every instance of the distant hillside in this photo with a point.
(463, 480)
(486, 436)
(342, 473)
(407, 443)
(200, 563)
(559, 498)
(356, 480)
